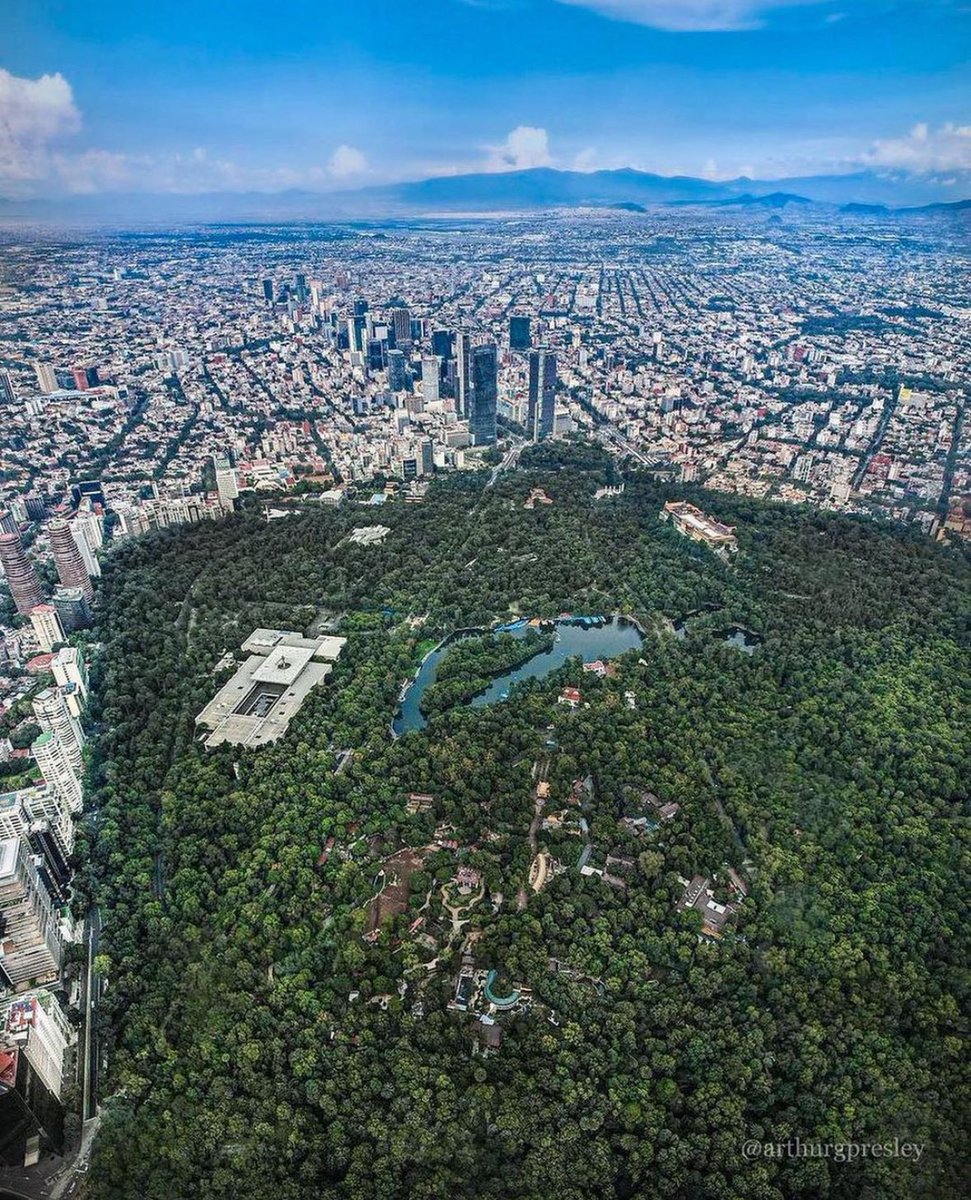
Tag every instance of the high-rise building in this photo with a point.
(57, 770)
(227, 486)
(396, 371)
(519, 338)
(72, 608)
(463, 378)
(21, 576)
(68, 667)
(442, 343)
(46, 377)
(357, 332)
(8, 522)
(34, 507)
(485, 395)
(31, 945)
(431, 376)
(47, 626)
(38, 1026)
(401, 325)
(54, 716)
(542, 394)
(67, 558)
(7, 395)
(84, 532)
(268, 290)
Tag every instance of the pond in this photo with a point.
(735, 635)
(599, 639)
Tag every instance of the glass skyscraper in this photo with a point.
(485, 395)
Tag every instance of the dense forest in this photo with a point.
(284, 928)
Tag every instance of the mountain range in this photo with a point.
(535, 189)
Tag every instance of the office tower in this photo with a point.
(519, 338)
(427, 456)
(56, 769)
(72, 608)
(47, 626)
(31, 945)
(6, 388)
(301, 281)
(431, 375)
(463, 357)
(67, 558)
(268, 290)
(356, 333)
(401, 324)
(442, 344)
(46, 377)
(396, 371)
(34, 507)
(360, 307)
(542, 394)
(485, 395)
(375, 354)
(21, 576)
(227, 486)
(54, 716)
(8, 523)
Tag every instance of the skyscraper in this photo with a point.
(67, 558)
(401, 324)
(268, 290)
(55, 767)
(485, 395)
(21, 576)
(431, 375)
(542, 394)
(442, 341)
(519, 338)
(54, 716)
(46, 377)
(462, 377)
(6, 388)
(396, 371)
(227, 486)
(32, 946)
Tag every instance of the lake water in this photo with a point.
(598, 642)
(735, 636)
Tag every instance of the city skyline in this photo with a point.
(176, 100)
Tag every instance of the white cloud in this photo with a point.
(34, 114)
(689, 16)
(924, 149)
(525, 146)
(346, 161)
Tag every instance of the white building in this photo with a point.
(47, 626)
(54, 715)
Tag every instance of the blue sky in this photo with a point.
(186, 96)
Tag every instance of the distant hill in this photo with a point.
(537, 189)
(956, 207)
(772, 200)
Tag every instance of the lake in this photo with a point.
(604, 641)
